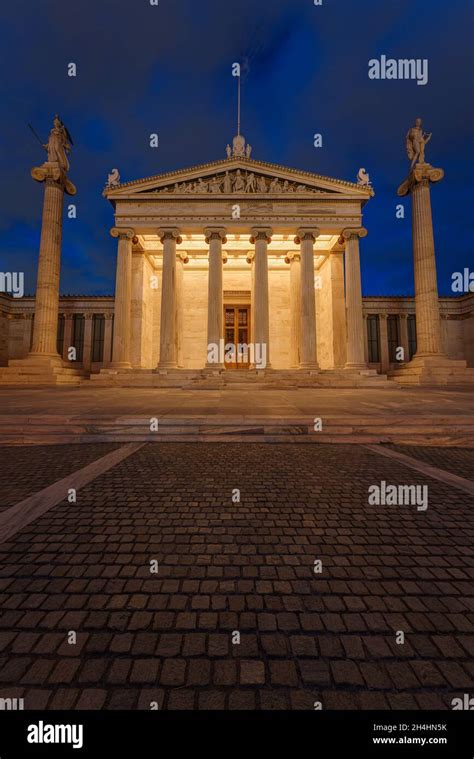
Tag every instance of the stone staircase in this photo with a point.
(36, 372)
(241, 379)
(441, 371)
(397, 428)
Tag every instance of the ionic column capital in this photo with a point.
(51, 173)
(306, 233)
(215, 233)
(383, 316)
(292, 255)
(403, 316)
(250, 256)
(182, 256)
(123, 233)
(261, 233)
(169, 233)
(88, 316)
(421, 172)
(108, 316)
(351, 234)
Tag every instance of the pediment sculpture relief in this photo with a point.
(240, 182)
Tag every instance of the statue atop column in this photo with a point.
(59, 144)
(57, 165)
(416, 142)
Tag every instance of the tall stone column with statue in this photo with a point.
(56, 183)
(44, 360)
(429, 365)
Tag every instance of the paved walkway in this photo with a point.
(286, 403)
(227, 567)
(101, 415)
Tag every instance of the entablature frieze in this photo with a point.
(281, 224)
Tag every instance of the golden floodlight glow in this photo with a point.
(236, 242)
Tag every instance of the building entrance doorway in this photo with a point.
(237, 334)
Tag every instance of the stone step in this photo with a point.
(239, 380)
(442, 430)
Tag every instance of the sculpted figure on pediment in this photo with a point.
(227, 183)
(275, 185)
(201, 186)
(215, 184)
(239, 182)
(113, 179)
(250, 184)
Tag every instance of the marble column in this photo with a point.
(45, 327)
(106, 358)
(67, 338)
(354, 318)
(294, 259)
(366, 340)
(384, 355)
(87, 347)
(426, 287)
(123, 298)
(306, 237)
(261, 237)
(403, 322)
(27, 333)
(169, 237)
(215, 237)
(250, 258)
(181, 260)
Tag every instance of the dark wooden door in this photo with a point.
(237, 333)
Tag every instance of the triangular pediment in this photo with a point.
(237, 176)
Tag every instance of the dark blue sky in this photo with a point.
(167, 69)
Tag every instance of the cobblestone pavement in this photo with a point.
(248, 567)
(459, 461)
(26, 469)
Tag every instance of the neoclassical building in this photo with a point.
(236, 266)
